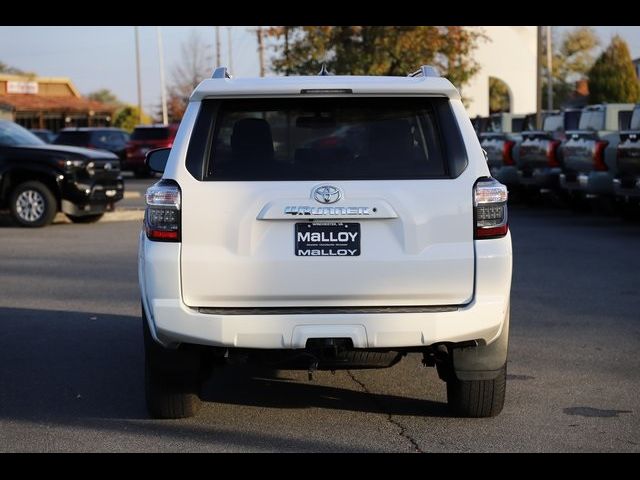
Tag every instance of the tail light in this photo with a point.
(598, 156)
(162, 217)
(507, 152)
(490, 209)
(552, 153)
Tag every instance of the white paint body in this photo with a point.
(237, 248)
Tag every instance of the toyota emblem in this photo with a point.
(327, 194)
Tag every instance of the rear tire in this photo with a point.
(172, 378)
(85, 218)
(477, 398)
(32, 204)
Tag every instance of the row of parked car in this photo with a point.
(580, 154)
(130, 149)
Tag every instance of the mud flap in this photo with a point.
(483, 362)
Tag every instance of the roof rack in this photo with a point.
(221, 72)
(425, 71)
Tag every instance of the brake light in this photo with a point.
(162, 216)
(507, 152)
(490, 209)
(552, 153)
(598, 156)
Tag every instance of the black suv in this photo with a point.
(38, 179)
(112, 139)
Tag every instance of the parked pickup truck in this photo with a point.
(626, 183)
(499, 142)
(539, 162)
(589, 153)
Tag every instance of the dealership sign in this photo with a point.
(22, 87)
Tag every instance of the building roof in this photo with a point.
(26, 102)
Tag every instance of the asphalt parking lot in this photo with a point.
(71, 367)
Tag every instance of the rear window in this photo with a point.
(635, 120)
(592, 120)
(517, 124)
(108, 139)
(150, 134)
(553, 123)
(78, 139)
(572, 120)
(328, 139)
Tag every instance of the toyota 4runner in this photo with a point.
(327, 222)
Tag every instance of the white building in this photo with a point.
(509, 54)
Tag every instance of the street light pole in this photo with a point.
(229, 46)
(138, 76)
(539, 79)
(549, 70)
(163, 91)
(261, 50)
(217, 46)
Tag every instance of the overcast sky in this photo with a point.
(104, 57)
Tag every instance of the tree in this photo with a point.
(194, 66)
(571, 61)
(127, 118)
(4, 68)
(499, 98)
(612, 77)
(104, 95)
(375, 50)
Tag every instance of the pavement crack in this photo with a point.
(403, 430)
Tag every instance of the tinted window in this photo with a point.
(517, 124)
(13, 134)
(159, 133)
(495, 124)
(78, 139)
(592, 120)
(572, 120)
(108, 139)
(322, 139)
(635, 120)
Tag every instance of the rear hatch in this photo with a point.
(629, 149)
(327, 202)
(579, 150)
(535, 151)
(583, 146)
(499, 148)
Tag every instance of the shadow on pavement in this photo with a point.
(57, 364)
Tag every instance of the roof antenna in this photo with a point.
(323, 71)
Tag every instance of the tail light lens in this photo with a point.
(598, 156)
(552, 153)
(490, 209)
(507, 152)
(162, 217)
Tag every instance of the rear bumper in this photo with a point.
(541, 178)
(80, 198)
(506, 174)
(628, 188)
(172, 322)
(590, 183)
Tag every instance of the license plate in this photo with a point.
(327, 239)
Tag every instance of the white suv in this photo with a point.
(328, 222)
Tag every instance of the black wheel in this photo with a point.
(32, 204)
(85, 218)
(172, 378)
(477, 398)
